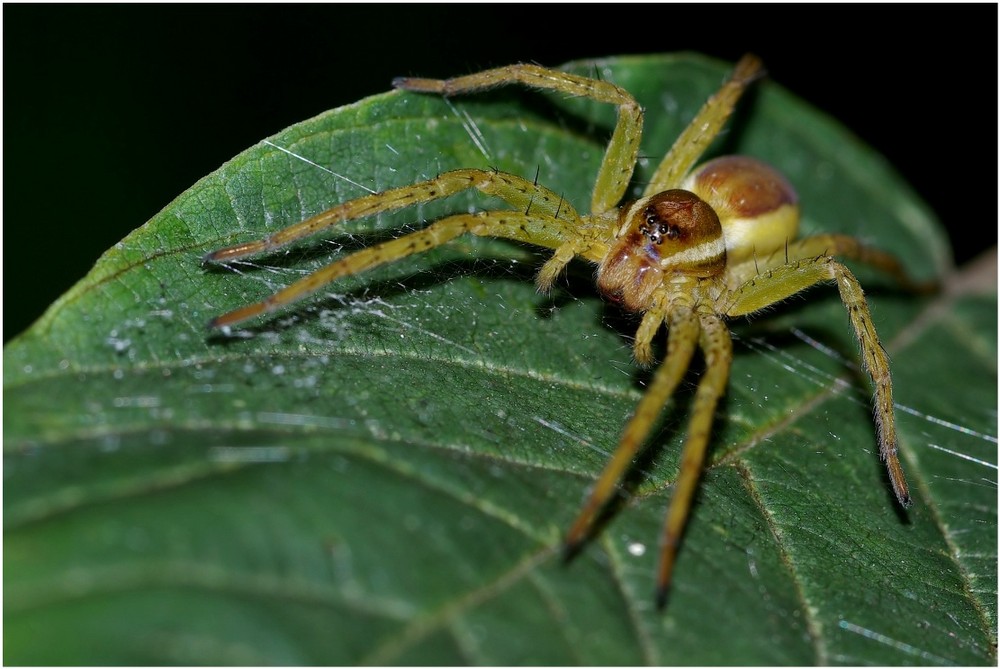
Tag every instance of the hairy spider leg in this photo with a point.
(541, 217)
(703, 128)
(686, 330)
(783, 281)
(829, 244)
(682, 337)
(623, 150)
(508, 224)
(717, 346)
(519, 193)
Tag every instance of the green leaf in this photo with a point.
(382, 473)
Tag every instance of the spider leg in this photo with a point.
(509, 224)
(783, 281)
(704, 127)
(841, 246)
(623, 149)
(718, 349)
(682, 338)
(520, 193)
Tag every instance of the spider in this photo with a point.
(700, 246)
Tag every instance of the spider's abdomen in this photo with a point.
(757, 207)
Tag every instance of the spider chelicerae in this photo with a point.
(698, 247)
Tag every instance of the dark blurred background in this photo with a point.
(142, 101)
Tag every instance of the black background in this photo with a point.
(142, 101)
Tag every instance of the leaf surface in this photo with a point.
(382, 473)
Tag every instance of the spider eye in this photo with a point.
(671, 232)
(655, 228)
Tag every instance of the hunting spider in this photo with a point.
(700, 246)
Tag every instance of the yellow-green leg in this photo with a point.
(681, 341)
(508, 224)
(623, 149)
(691, 143)
(718, 349)
(840, 246)
(521, 194)
(778, 283)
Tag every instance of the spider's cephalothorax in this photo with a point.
(674, 232)
(699, 246)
